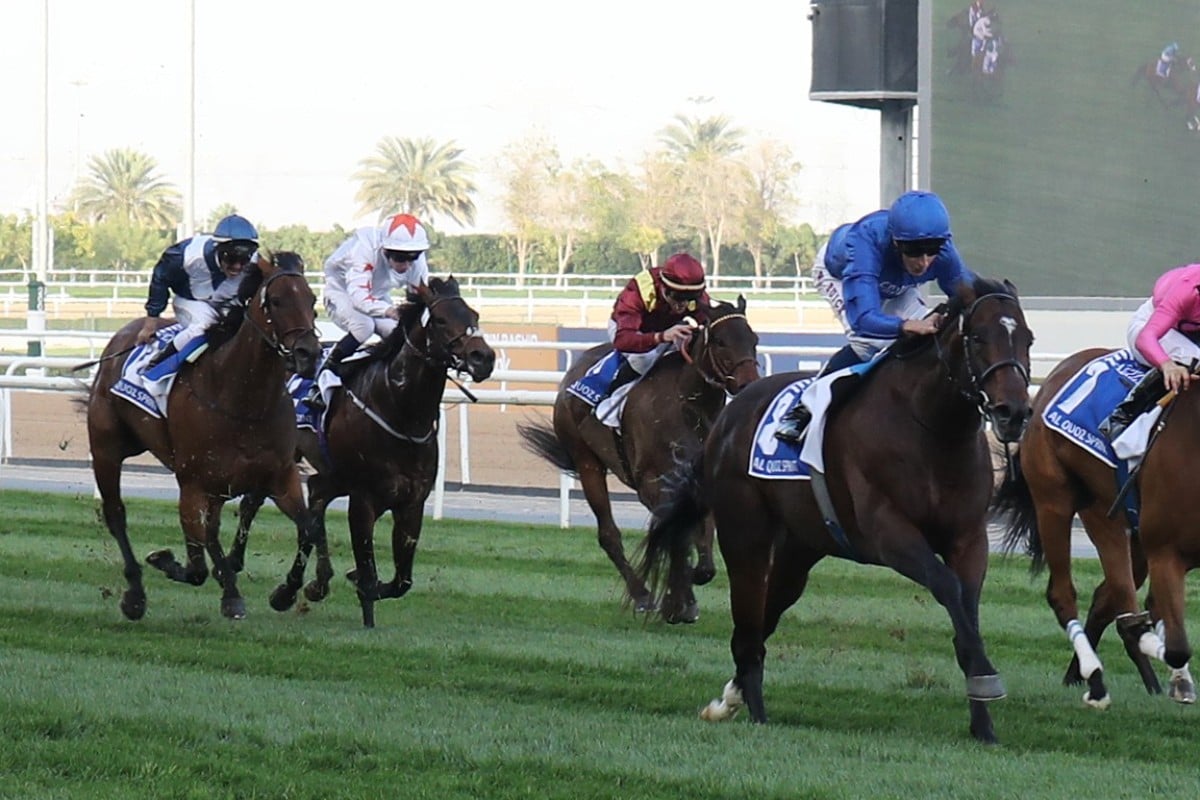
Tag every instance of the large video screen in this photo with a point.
(1068, 162)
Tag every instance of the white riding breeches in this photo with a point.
(1180, 348)
(641, 362)
(352, 321)
(197, 316)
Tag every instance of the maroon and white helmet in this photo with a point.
(683, 274)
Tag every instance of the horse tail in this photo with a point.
(673, 523)
(1013, 505)
(541, 440)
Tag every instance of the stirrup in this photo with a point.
(793, 427)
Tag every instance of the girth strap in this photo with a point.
(825, 503)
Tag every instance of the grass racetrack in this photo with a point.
(510, 670)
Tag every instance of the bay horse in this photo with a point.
(380, 446)
(667, 412)
(909, 476)
(229, 426)
(1052, 481)
(1173, 89)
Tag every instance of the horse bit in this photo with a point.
(706, 352)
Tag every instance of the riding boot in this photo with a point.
(1147, 391)
(347, 345)
(162, 355)
(626, 374)
(846, 357)
(794, 423)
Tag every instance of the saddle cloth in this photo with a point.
(1087, 400)
(591, 388)
(327, 379)
(149, 391)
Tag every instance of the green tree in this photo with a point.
(217, 214)
(417, 176)
(769, 198)
(16, 243)
(124, 245)
(529, 166)
(124, 185)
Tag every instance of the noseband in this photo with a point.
(712, 375)
(448, 359)
(974, 391)
(267, 331)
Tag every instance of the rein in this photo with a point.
(713, 376)
(974, 392)
(276, 343)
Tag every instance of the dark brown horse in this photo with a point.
(667, 413)
(381, 444)
(909, 474)
(229, 428)
(1053, 480)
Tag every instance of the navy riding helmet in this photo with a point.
(918, 215)
(235, 228)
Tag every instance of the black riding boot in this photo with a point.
(1147, 391)
(794, 423)
(343, 348)
(626, 374)
(162, 355)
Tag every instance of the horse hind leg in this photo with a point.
(107, 473)
(1167, 580)
(595, 491)
(406, 533)
(248, 509)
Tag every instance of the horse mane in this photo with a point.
(411, 310)
(953, 308)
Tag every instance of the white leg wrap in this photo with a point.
(1089, 662)
(1151, 645)
(724, 707)
(1160, 629)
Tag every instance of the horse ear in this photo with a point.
(266, 261)
(741, 304)
(1012, 287)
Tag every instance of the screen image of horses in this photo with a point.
(1067, 163)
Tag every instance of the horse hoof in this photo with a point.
(283, 597)
(645, 606)
(686, 616)
(233, 608)
(1183, 692)
(161, 559)
(1100, 704)
(133, 605)
(985, 688)
(316, 592)
(701, 576)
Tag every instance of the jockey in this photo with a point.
(981, 31)
(1166, 59)
(974, 12)
(869, 272)
(204, 272)
(648, 317)
(1160, 337)
(359, 276)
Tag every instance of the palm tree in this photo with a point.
(691, 137)
(417, 176)
(123, 185)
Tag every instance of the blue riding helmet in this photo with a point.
(918, 215)
(236, 228)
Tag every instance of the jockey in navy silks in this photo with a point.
(203, 272)
(870, 271)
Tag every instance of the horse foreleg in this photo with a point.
(247, 511)
(595, 491)
(233, 606)
(310, 532)
(364, 576)
(1167, 580)
(107, 473)
(406, 532)
(194, 513)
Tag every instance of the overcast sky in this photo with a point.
(291, 96)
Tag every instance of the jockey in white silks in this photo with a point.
(1165, 60)
(981, 32)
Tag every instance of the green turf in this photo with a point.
(511, 670)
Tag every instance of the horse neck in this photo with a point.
(409, 382)
(932, 383)
(695, 392)
(247, 353)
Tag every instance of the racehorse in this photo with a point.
(908, 474)
(1175, 87)
(668, 411)
(229, 426)
(381, 444)
(1054, 479)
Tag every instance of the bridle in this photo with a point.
(278, 343)
(974, 391)
(715, 374)
(447, 358)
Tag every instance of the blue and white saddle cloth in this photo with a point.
(148, 391)
(592, 385)
(1087, 400)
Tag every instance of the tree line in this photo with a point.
(706, 188)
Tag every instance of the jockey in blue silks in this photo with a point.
(870, 271)
(203, 272)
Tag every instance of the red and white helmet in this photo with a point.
(406, 233)
(683, 274)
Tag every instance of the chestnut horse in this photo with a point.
(909, 477)
(1054, 479)
(229, 426)
(1173, 89)
(668, 412)
(381, 446)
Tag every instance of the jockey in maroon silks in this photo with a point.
(650, 315)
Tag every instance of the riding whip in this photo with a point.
(101, 360)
